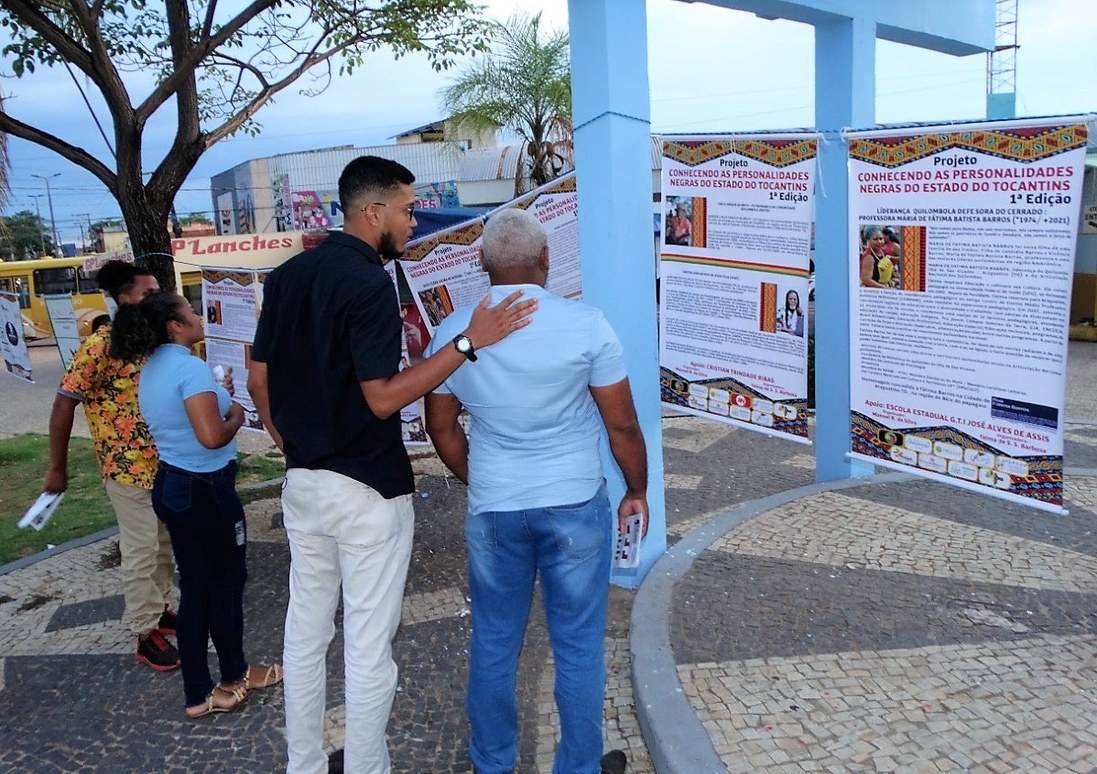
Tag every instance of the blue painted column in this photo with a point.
(845, 97)
(611, 114)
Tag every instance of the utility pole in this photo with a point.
(83, 234)
(53, 222)
(38, 214)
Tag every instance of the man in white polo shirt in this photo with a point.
(537, 497)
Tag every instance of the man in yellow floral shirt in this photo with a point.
(127, 461)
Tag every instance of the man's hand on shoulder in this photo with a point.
(491, 324)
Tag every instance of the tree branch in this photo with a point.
(78, 156)
(186, 67)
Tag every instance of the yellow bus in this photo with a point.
(30, 280)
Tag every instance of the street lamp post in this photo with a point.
(38, 214)
(49, 198)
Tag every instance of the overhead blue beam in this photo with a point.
(948, 26)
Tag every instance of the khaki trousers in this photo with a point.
(147, 564)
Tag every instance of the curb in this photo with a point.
(675, 738)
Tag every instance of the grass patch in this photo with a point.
(255, 468)
(85, 509)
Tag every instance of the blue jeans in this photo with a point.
(569, 546)
(205, 520)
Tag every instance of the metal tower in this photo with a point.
(1002, 62)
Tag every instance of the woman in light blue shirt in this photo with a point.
(194, 422)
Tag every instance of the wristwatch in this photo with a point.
(463, 344)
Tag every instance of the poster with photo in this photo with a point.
(13, 347)
(229, 303)
(237, 356)
(733, 278)
(963, 242)
(443, 271)
(556, 205)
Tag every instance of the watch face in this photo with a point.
(463, 345)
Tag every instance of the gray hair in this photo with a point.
(513, 239)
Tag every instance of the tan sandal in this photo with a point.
(220, 699)
(257, 678)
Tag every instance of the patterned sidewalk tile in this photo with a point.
(842, 531)
(1001, 706)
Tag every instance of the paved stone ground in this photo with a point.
(906, 626)
(896, 627)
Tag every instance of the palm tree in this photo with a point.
(523, 85)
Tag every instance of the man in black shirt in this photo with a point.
(324, 377)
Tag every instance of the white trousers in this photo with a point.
(342, 532)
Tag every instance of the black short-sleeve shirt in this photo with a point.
(330, 320)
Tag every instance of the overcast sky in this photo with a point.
(710, 70)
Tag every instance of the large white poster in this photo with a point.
(63, 323)
(964, 239)
(13, 347)
(733, 296)
(230, 304)
(556, 205)
(412, 430)
(443, 269)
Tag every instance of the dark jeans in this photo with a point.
(205, 519)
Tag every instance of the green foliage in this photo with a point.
(22, 236)
(85, 509)
(523, 85)
(214, 66)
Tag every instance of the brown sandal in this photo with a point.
(220, 699)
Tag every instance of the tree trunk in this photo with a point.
(146, 221)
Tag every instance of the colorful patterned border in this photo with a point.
(724, 263)
(913, 251)
(242, 278)
(674, 391)
(767, 307)
(1022, 144)
(565, 184)
(1043, 483)
(776, 153)
(465, 235)
(699, 222)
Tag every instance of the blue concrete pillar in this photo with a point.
(845, 97)
(611, 114)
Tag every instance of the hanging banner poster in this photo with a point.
(64, 326)
(412, 430)
(229, 303)
(733, 293)
(963, 254)
(13, 347)
(237, 356)
(443, 271)
(556, 205)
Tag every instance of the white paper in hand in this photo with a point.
(627, 554)
(39, 513)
